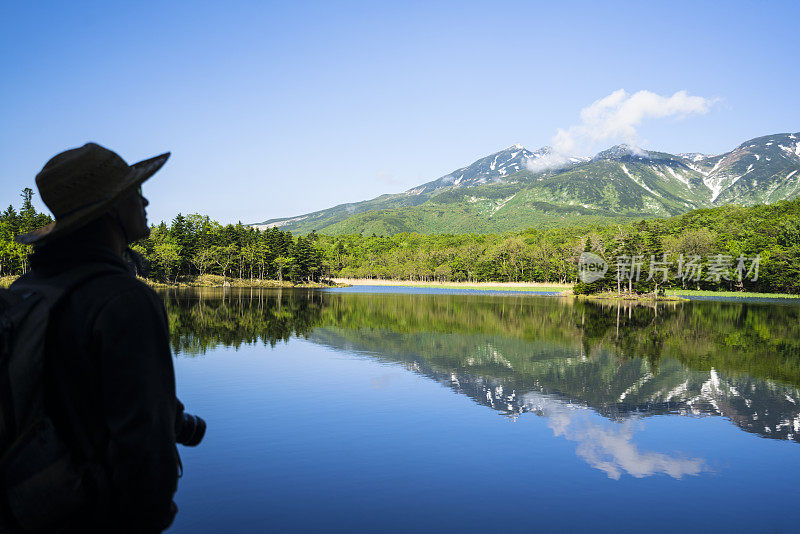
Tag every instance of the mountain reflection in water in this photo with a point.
(562, 359)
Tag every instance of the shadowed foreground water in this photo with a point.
(343, 411)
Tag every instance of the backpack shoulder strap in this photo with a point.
(24, 325)
(53, 288)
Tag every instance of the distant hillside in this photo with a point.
(513, 189)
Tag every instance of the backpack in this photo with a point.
(41, 484)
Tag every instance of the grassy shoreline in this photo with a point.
(481, 286)
(213, 280)
(729, 294)
(523, 287)
(626, 297)
(672, 295)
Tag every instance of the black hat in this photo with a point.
(80, 184)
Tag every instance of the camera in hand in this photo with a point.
(191, 432)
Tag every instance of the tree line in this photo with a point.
(193, 245)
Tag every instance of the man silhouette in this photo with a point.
(109, 384)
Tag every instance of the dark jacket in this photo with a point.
(110, 389)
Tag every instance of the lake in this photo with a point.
(395, 411)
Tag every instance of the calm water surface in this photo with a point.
(335, 411)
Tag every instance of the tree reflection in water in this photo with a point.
(559, 358)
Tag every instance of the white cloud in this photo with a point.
(618, 115)
(609, 447)
(616, 118)
(553, 160)
(612, 450)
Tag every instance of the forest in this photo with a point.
(193, 245)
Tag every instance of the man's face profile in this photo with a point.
(131, 209)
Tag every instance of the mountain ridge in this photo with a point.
(516, 188)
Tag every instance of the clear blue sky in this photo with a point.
(274, 110)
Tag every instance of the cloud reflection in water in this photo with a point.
(609, 446)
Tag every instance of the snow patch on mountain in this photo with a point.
(694, 157)
(621, 151)
(500, 205)
(638, 181)
(713, 181)
(737, 178)
(677, 175)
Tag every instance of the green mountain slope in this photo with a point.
(511, 190)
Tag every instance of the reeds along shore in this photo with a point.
(416, 283)
(213, 280)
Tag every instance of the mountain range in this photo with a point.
(517, 188)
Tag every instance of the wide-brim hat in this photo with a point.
(81, 184)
